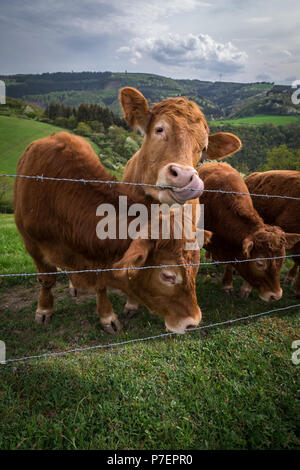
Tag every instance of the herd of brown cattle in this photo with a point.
(57, 219)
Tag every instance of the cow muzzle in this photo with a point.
(184, 325)
(184, 180)
(271, 296)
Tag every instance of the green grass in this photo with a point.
(16, 134)
(258, 120)
(12, 252)
(231, 387)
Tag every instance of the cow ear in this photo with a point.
(135, 257)
(135, 108)
(247, 247)
(221, 145)
(291, 240)
(207, 236)
(204, 236)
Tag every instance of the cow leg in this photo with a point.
(45, 304)
(108, 319)
(290, 277)
(227, 280)
(297, 284)
(245, 290)
(131, 308)
(72, 289)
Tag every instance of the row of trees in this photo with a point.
(98, 118)
(282, 158)
(258, 141)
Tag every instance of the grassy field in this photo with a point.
(231, 387)
(15, 135)
(258, 120)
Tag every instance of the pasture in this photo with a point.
(15, 135)
(231, 387)
(259, 119)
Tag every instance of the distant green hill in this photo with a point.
(17, 107)
(15, 135)
(217, 99)
(258, 120)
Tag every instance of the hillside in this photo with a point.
(16, 134)
(217, 99)
(258, 120)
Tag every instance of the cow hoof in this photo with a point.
(244, 294)
(229, 291)
(73, 291)
(129, 314)
(130, 311)
(113, 327)
(43, 318)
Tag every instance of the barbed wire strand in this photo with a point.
(82, 180)
(147, 338)
(100, 270)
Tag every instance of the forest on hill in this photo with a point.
(217, 99)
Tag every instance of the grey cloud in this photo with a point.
(38, 36)
(198, 52)
(263, 77)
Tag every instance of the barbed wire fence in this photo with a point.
(138, 340)
(111, 182)
(42, 178)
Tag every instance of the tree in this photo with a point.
(282, 158)
(97, 126)
(83, 129)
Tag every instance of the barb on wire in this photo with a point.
(81, 180)
(136, 340)
(100, 270)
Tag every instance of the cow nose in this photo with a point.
(180, 176)
(275, 296)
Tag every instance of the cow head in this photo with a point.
(167, 291)
(267, 242)
(175, 136)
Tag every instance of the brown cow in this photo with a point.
(276, 211)
(176, 135)
(240, 233)
(57, 221)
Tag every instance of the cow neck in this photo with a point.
(84, 222)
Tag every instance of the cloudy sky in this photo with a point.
(240, 40)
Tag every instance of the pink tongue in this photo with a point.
(193, 190)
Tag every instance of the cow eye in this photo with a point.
(159, 130)
(168, 277)
(260, 265)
